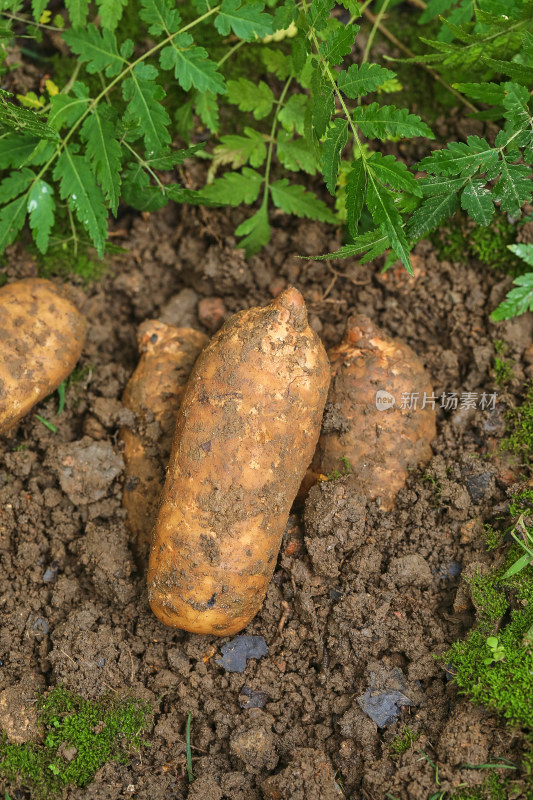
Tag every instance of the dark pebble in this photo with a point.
(241, 648)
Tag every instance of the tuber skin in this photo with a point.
(246, 431)
(154, 394)
(41, 338)
(380, 445)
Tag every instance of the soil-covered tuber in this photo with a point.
(154, 394)
(246, 431)
(41, 338)
(371, 432)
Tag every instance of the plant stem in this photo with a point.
(273, 138)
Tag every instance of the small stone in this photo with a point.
(241, 648)
(255, 745)
(249, 698)
(310, 774)
(41, 626)
(211, 313)
(477, 485)
(86, 469)
(181, 310)
(383, 707)
(50, 574)
(410, 570)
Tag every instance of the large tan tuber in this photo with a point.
(246, 431)
(381, 444)
(154, 394)
(41, 338)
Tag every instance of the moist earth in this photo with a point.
(362, 601)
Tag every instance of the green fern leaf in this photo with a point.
(355, 195)
(104, 152)
(66, 110)
(431, 213)
(144, 108)
(439, 185)
(207, 110)
(514, 187)
(394, 173)
(77, 11)
(191, 65)
(17, 149)
(357, 80)
(41, 207)
(294, 199)
(238, 150)
(111, 12)
(339, 44)
(12, 219)
(161, 16)
(23, 120)
(166, 160)
(374, 240)
(518, 300)
(336, 139)
(284, 14)
(137, 191)
(78, 187)
(233, 188)
(256, 232)
(97, 50)
(323, 103)
(384, 122)
(490, 93)
(292, 115)
(434, 9)
(477, 201)
(380, 202)
(249, 96)
(15, 184)
(318, 14)
(246, 21)
(518, 72)
(523, 251)
(296, 154)
(276, 62)
(37, 8)
(460, 158)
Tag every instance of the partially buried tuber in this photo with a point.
(246, 431)
(41, 338)
(368, 426)
(154, 394)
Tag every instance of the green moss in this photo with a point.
(520, 427)
(59, 262)
(94, 732)
(402, 742)
(493, 788)
(460, 240)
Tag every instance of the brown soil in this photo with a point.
(361, 601)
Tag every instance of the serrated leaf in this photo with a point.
(439, 185)
(15, 184)
(323, 103)
(247, 21)
(249, 96)
(168, 160)
(284, 14)
(339, 44)
(490, 93)
(256, 232)
(336, 139)
(357, 81)
(375, 240)
(77, 11)
(515, 101)
(207, 110)
(431, 213)
(476, 200)
(238, 150)
(514, 188)
(292, 115)
(78, 187)
(66, 110)
(12, 219)
(97, 50)
(518, 72)
(384, 122)
(276, 62)
(37, 8)
(104, 152)
(144, 108)
(434, 9)
(161, 15)
(41, 207)
(137, 191)
(191, 65)
(355, 195)
(15, 150)
(394, 173)
(233, 188)
(380, 203)
(23, 120)
(523, 251)
(111, 12)
(318, 14)
(518, 300)
(461, 158)
(295, 154)
(294, 199)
